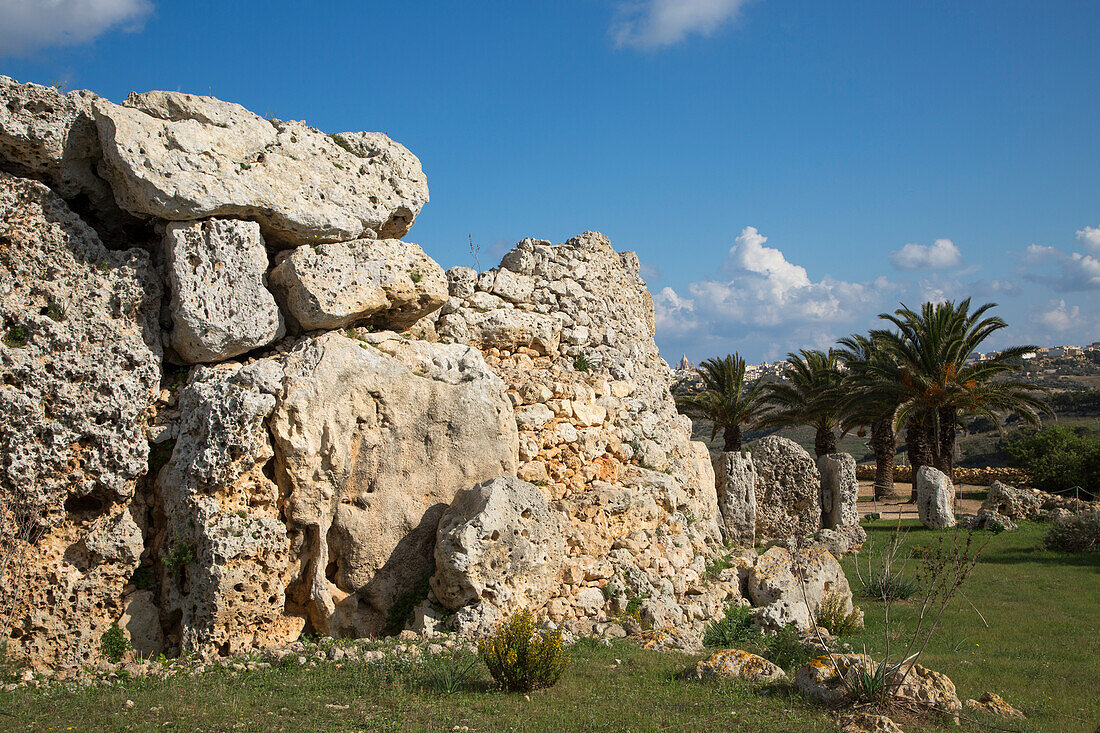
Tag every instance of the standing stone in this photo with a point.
(839, 490)
(787, 489)
(935, 499)
(501, 543)
(216, 279)
(735, 481)
(329, 286)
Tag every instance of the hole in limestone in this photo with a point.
(330, 571)
(494, 536)
(89, 503)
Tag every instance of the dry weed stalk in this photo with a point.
(19, 530)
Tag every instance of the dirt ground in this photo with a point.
(967, 500)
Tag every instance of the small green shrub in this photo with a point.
(142, 578)
(522, 658)
(870, 686)
(581, 363)
(181, 554)
(716, 566)
(448, 673)
(15, 338)
(415, 276)
(55, 311)
(1079, 533)
(890, 586)
(399, 614)
(114, 644)
(872, 517)
(786, 648)
(833, 617)
(730, 630)
(1058, 458)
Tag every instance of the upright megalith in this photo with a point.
(788, 486)
(935, 498)
(217, 283)
(735, 482)
(839, 490)
(499, 544)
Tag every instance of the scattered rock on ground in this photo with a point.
(867, 723)
(994, 704)
(737, 664)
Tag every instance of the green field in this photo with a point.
(1040, 651)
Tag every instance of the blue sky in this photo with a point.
(785, 170)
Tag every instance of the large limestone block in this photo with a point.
(839, 490)
(787, 489)
(217, 270)
(503, 329)
(388, 282)
(79, 355)
(500, 543)
(372, 451)
(739, 665)
(735, 481)
(1012, 502)
(180, 156)
(935, 498)
(790, 587)
(224, 514)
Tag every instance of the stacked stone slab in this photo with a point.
(788, 488)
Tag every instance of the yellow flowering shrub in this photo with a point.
(522, 658)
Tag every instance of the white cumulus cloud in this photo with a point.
(943, 254)
(1072, 271)
(652, 24)
(1089, 237)
(28, 25)
(1060, 318)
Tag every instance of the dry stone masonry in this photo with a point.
(239, 407)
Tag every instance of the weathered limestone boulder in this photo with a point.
(371, 452)
(735, 480)
(868, 723)
(50, 137)
(829, 678)
(839, 490)
(226, 555)
(388, 282)
(988, 520)
(79, 356)
(791, 587)
(1012, 502)
(220, 305)
(993, 704)
(498, 543)
(181, 156)
(788, 485)
(737, 664)
(926, 688)
(141, 623)
(935, 499)
(842, 540)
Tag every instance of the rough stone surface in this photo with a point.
(994, 704)
(181, 156)
(935, 499)
(50, 137)
(735, 479)
(926, 688)
(226, 555)
(839, 491)
(499, 543)
(371, 452)
(868, 723)
(141, 623)
(387, 282)
(774, 584)
(220, 305)
(788, 485)
(1012, 502)
(737, 664)
(823, 678)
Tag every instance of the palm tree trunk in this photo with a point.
(824, 441)
(731, 435)
(884, 444)
(918, 448)
(945, 442)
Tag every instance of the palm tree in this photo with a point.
(937, 382)
(809, 395)
(726, 400)
(866, 404)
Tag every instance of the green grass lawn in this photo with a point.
(1041, 652)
